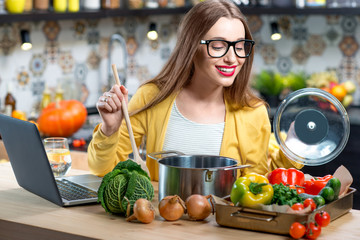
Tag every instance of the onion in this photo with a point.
(143, 211)
(171, 207)
(198, 207)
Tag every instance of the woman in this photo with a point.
(200, 103)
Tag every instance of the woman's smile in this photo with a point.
(226, 71)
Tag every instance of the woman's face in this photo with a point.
(220, 71)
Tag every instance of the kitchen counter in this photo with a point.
(23, 214)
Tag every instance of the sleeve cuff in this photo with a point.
(103, 141)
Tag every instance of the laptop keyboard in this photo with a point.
(72, 191)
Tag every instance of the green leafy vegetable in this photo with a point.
(128, 180)
(269, 83)
(283, 195)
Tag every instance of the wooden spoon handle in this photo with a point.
(137, 157)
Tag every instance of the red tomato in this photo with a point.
(322, 218)
(299, 190)
(76, 143)
(310, 202)
(313, 231)
(83, 142)
(297, 206)
(297, 230)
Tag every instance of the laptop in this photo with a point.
(32, 169)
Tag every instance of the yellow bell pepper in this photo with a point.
(251, 190)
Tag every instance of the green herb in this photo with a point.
(128, 180)
(283, 195)
(268, 83)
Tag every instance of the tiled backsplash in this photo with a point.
(74, 53)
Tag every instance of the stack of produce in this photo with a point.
(289, 187)
(328, 81)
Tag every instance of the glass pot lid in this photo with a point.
(311, 126)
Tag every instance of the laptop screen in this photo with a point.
(28, 158)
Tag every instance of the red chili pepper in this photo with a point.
(285, 176)
(314, 185)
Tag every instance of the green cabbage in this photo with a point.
(128, 180)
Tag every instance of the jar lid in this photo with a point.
(311, 126)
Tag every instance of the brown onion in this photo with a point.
(198, 207)
(143, 211)
(171, 207)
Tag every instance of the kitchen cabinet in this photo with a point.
(124, 12)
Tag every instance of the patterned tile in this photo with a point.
(132, 66)
(93, 23)
(255, 23)
(143, 74)
(269, 53)
(93, 60)
(118, 21)
(165, 53)
(52, 51)
(348, 69)
(79, 29)
(332, 19)
(284, 65)
(103, 47)
(80, 72)
(37, 87)
(348, 24)
(300, 33)
(130, 25)
(38, 64)
(66, 61)
(285, 25)
(348, 46)
(131, 46)
(154, 44)
(23, 77)
(7, 44)
(93, 37)
(165, 32)
(332, 35)
(300, 54)
(315, 45)
(51, 30)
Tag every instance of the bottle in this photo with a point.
(74, 5)
(10, 101)
(60, 5)
(46, 98)
(59, 94)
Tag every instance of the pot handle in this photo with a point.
(229, 168)
(163, 154)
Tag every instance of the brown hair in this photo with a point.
(178, 71)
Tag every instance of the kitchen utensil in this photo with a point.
(316, 124)
(274, 222)
(136, 154)
(185, 175)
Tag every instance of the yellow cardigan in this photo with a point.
(246, 136)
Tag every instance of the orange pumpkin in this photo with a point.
(62, 119)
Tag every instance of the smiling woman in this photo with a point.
(201, 98)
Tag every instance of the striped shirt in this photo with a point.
(192, 138)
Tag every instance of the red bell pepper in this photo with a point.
(285, 176)
(314, 185)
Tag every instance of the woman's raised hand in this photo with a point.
(109, 107)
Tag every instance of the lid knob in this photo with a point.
(311, 126)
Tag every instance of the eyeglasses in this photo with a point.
(218, 48)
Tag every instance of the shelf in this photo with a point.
(105, 13)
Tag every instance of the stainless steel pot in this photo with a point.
(185, 175)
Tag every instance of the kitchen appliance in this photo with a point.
(184, 175)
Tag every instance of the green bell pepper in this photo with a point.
(251, 190)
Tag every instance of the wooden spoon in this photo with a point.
(136, 154)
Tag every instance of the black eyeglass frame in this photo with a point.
(229, 44)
